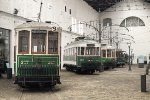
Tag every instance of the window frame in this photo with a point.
(32, 42)
(89, 51)
(23, 52)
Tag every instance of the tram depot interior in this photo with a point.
(117, 25)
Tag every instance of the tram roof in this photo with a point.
(108, 47)
(83, 43)
(34, 25)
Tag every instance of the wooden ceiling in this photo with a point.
(101, 5)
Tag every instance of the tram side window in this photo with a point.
(113, 53)
(108, 53)
(82, 50)
(78, 50)
(23, 41)
(97, 51)
(53, 42)
(38, 41)
(117, 54)
(104, 53)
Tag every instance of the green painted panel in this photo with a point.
(97, 59)
(81, 59)
(37, 65)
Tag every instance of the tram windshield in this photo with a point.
(23, 41)
(38, 41)
(90, 50)
(119, 54)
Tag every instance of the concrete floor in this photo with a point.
(115, 84)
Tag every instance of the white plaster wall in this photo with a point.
(137, 8)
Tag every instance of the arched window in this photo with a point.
(132, 22)
(107, 22)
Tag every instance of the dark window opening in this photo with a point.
(82, 50)
(70, 11)
(52, 42)
(23, 41)
(103, 53)
(38, 41)
(108, 52)
(90, 50)
(107, 22)
(132, 22)
(78, 50)
(65, 9)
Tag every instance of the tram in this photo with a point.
(37, 54)
(83, 56)
(108, 56)
(121, 58)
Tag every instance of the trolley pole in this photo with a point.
(39, 17)
(100, 41)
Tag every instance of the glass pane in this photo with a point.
(5, 34)
(97, 51)
(141, 23)
(108, 53)
(82, 50)
(132, 21)
(23, 41)
(113, 53)
(104, 53)
(107, 21)
(78, 50)
(122, 23)
(52, 42)
(38, 41)
(90, 50)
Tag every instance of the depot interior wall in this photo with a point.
(10, 22)
(141, 34)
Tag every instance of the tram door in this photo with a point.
(4, 49)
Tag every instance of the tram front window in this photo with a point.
(23, 41)
(90, 51)
(38, 41)
(53, 42)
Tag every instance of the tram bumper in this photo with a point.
(37, 79)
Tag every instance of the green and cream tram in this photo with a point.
(37, 59)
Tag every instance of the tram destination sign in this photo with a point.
(39, 31)
(90, 45)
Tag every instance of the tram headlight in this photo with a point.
(81, 60)
(90, 60)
